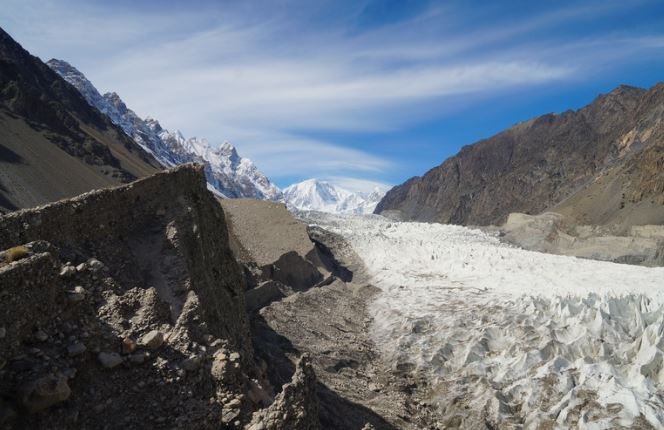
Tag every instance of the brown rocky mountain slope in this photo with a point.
(602, 164)
(52, 143)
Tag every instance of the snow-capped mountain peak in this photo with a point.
(72, 75)
(226, 171)
(200, 147)
(114, 98)
(317, 195)
(227, 149)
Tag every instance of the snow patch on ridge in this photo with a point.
(513, 337)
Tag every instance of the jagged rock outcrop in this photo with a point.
(340, 257)
(601, 164)
(285, 255)
(296, 407)
(124, 308)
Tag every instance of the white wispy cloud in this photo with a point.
(269, 79)
(361, 185)
(283, 154)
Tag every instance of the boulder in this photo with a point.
(75, 349)
(95, 264)
(68, 271)
(77, 294)
(153, 339)
(110, 359)
(128, 345)
(40, 394)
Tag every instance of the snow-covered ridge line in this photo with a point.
(515, 338)
(317, 195)
(228, 173)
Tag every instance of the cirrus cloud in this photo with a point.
(273, 78)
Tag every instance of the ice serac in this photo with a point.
(229, 174)
(317, 195)
(601, 164)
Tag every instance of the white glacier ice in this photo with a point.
(518, 338)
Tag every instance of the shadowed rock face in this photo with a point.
(131, 294)
(600, 164)
(125, 227)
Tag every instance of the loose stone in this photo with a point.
(75, 349)
(153, 339)
(109, 359)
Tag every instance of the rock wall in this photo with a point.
(172, 212)
(29, 291)
(125, 309)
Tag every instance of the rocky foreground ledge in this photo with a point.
(125, 308)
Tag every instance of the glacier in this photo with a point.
(508, 338)
(228, 174)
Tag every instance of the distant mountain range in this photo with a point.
(227, 173)
(316, 195)
(601, 164)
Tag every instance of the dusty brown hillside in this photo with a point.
(600, 164)
(52, 143)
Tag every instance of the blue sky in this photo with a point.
(357, 92)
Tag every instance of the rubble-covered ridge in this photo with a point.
(124, 308)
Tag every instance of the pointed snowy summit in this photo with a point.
(322, 196)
